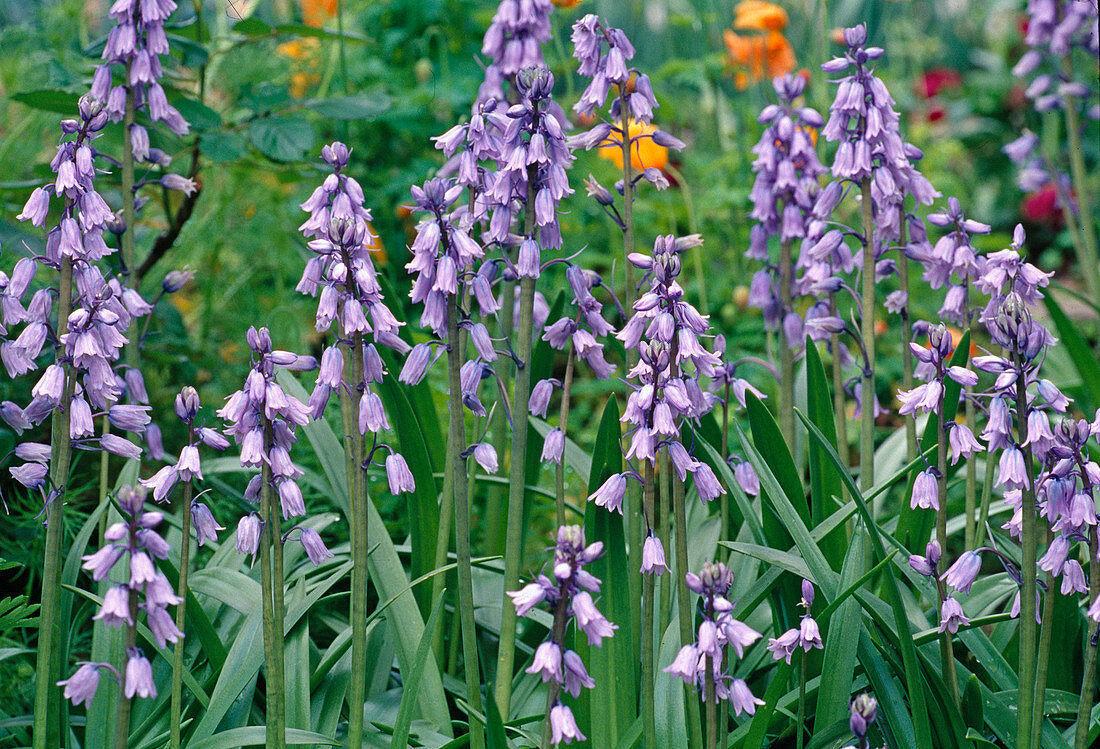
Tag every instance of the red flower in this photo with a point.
(933, 81)
(1042, 207)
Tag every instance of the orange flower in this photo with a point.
(316, 12)
(759, 57)
(758, 15)
(644, 154)
(566, 3)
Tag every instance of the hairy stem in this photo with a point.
(462, 532)
(47, 699)
(181, 617)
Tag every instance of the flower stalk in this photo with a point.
(1030, 540)
(867, 336)
(457, 442)
(176, 710)
(47, 700)
(1092, 644)
(947, 649)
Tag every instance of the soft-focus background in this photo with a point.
(277, 79)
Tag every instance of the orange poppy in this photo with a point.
(566, 3)
(644, 154)
(316, 12)
(758, 15)
(759, 57)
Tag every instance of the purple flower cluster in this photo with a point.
(135, 45)
(784, 191)
(188, 467)
(514, 41)
(717, 630)
(262, 418)
(670, 364)
(443, 256)
(607, 68)
(135, 539)
(531, 165)
(953, 261)
(82, 377)
(342, 276)
(807, 635)
(934, 369)
(569, 593)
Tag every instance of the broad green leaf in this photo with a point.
(825, 484)
(257, 736)
(908, 651)
(48, 100)
(841, 641)
(411, 685)
(668, 692)
(611, 706)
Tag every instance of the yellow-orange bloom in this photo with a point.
(643, 154)
(566, 3)
(759, 57)
(316, 12)
(758, 15)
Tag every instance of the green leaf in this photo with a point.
(841, 641)
(357, 107)
(914, 685)
(49, 100)
(825, 484)
(1084, 359)
(405, 623)
(915, 525)
(422, 504)
(197, 114)
(257, 736)
(411, 686)
(610, 706)
(972, 704)
(281, 138)
(495, 738)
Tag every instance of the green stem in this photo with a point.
(867, 333)
(1029, 533)
(683, 600)
(129, 212)
(563, 422)
(800, 727)
(649, 670)
(1087, 250)
(971, 466)
(271, 580)
(1088, 682)
(557, 636)
(47, 701)
(840, 401)
(664, 530)
(360, 549)
(125, 704)
(906, 352)
(181, 617)
(987, 496)
(1046, 631)
(517, 467)
(462, 532)
(947, 649)
(712, 706)
(104, 477)
(786, 355)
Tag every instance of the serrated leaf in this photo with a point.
(356, 107)
(49, 100)
(281, 138)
